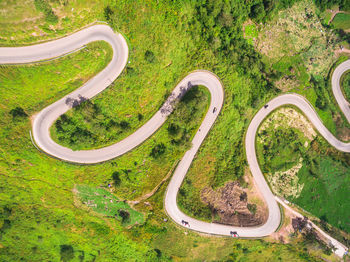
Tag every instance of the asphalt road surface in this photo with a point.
(47, 116)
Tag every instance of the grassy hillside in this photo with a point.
(315, 176)
(341, 21)
(346, 85)
(167, 40)
(29, 21)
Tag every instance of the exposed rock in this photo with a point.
(229, 205)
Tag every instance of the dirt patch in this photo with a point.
(230, 206)
(283, 235)
(342, 132)
(287, 83)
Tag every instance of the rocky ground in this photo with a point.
(230, 205)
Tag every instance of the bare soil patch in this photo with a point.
(234, 205)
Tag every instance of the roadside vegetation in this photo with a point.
(342, 21)
(302, 167)
(96, 123)
(167, 40)
(30, 21)
(345, 85)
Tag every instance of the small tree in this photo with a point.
(173, 129)
(158, 150)
(252, 208)
(124, 124)
(18, 112)
(149, 56)
(108, 12)
(124, 215)
(116, 178)
(66, 252)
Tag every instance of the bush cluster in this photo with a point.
(45, 7)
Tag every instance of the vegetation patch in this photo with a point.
(94, 124)
(345, 85)
(302, 64)
(282, 140)
(28, 21)
(250, 33)
(284, 38)
(37, 217)
(326, 189)
(341, 21)
(305, 170)
(105, 203)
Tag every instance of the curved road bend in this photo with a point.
(47, 116)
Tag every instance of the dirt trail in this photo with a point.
(343, 50)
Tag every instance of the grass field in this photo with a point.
(251, 33)
(326, 195)
(314, 176)
(24, 22)
(341, 21)
(105, 203)
(345, 84)
(38, 217)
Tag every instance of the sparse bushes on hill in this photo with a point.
(158, 150)
(18, 112)
(44, 6)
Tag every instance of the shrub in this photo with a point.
(158, 150)
(252, 208)
(116, 178)
(124, 215)
(124, 124)
(173, 129)
(149, 56)
(108, 12)
(18, 112)
(66, 252)
(44, 7)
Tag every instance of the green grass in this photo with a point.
(104, 202)
(24, 22)
(326, 17)
(50, 79)
(251, 33)
(38, 218)
(341, 21)
(345, 84)
(325, 193)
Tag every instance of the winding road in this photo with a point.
(44, 119)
